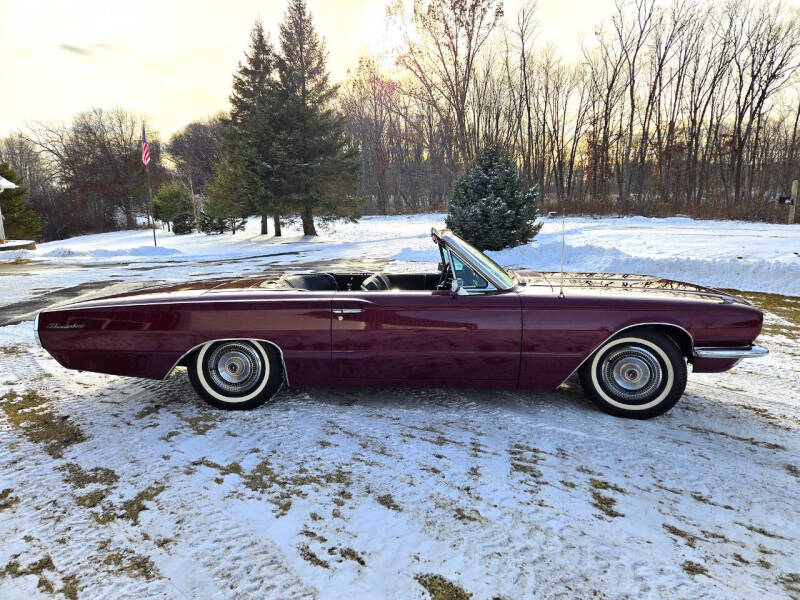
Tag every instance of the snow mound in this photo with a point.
(111, 252)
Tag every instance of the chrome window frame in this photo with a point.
(452, 243)
(490, 287)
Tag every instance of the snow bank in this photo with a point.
(730, 254)
(112, 252)
(747, 256)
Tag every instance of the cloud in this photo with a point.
(74, 49)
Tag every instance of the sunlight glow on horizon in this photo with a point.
(173, 61)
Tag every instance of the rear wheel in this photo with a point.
(236, 374)
(639, 374)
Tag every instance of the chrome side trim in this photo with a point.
(731, 353)
(600, 345)
(158, 303)
(36, 331)
(273, 344)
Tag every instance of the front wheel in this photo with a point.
(639, 374)
(236, 374)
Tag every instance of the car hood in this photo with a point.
(616, 283)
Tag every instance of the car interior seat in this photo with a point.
(378, 282)
(313, 282)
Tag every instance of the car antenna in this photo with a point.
(563, 227)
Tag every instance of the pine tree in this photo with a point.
(490, 208)
(319, 169)
(183, 223)
(173, 204)
(19, 220)
(223, 206)
(250, 132)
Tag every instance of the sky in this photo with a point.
(172, 60)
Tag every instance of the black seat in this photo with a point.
(313, 282)
(378, 282)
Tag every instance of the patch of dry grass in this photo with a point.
(131, 564)
(92, 499)
(308, 555)
(441, 588)
(147, 411)
(605, 504)
(761, 531)
(693, 568)
(282, 488)
(750, 440)
(131, 508)
(599, 484)
(387, 500)
(202, 423)
(232, 468)
(350, 554)
(37, 568)
(6, 499)
(689, 538)
(15, 350)
(79, 477)
(791, 582)
(472, 515)
(30, 413)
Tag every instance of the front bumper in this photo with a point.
(731, 353)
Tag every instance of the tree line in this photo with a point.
(690, 106)
(681, 107)
(280, 152)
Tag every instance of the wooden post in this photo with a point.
(793, 205)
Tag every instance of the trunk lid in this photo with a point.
(649, 285)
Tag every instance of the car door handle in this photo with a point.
(347, 311)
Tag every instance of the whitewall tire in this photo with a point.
(236, 374)
(639, 374)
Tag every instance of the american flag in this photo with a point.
(145, 150)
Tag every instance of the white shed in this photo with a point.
(5, 184)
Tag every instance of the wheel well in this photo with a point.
(183, 361)
(677, 334)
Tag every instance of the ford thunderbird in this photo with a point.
(629, 338)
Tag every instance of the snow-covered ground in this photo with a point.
(120, 488)
(749, 256)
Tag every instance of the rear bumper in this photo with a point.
(36, 331)
(731, 353)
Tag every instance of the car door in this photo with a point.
(427, 337)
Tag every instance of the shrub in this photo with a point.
(490, 206)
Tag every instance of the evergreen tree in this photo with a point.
(250, 131)
(490, 208)
(223, 206)
(183, 223)
(318, 167)
(173, 203)
(19, 220)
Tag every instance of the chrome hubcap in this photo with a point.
(631, 373)
(235, 367)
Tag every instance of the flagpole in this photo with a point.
(152, 214)
(146, 163)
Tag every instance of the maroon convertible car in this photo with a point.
(630, 338)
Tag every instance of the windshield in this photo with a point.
(486, 264)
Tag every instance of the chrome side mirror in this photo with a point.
(457, 288)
